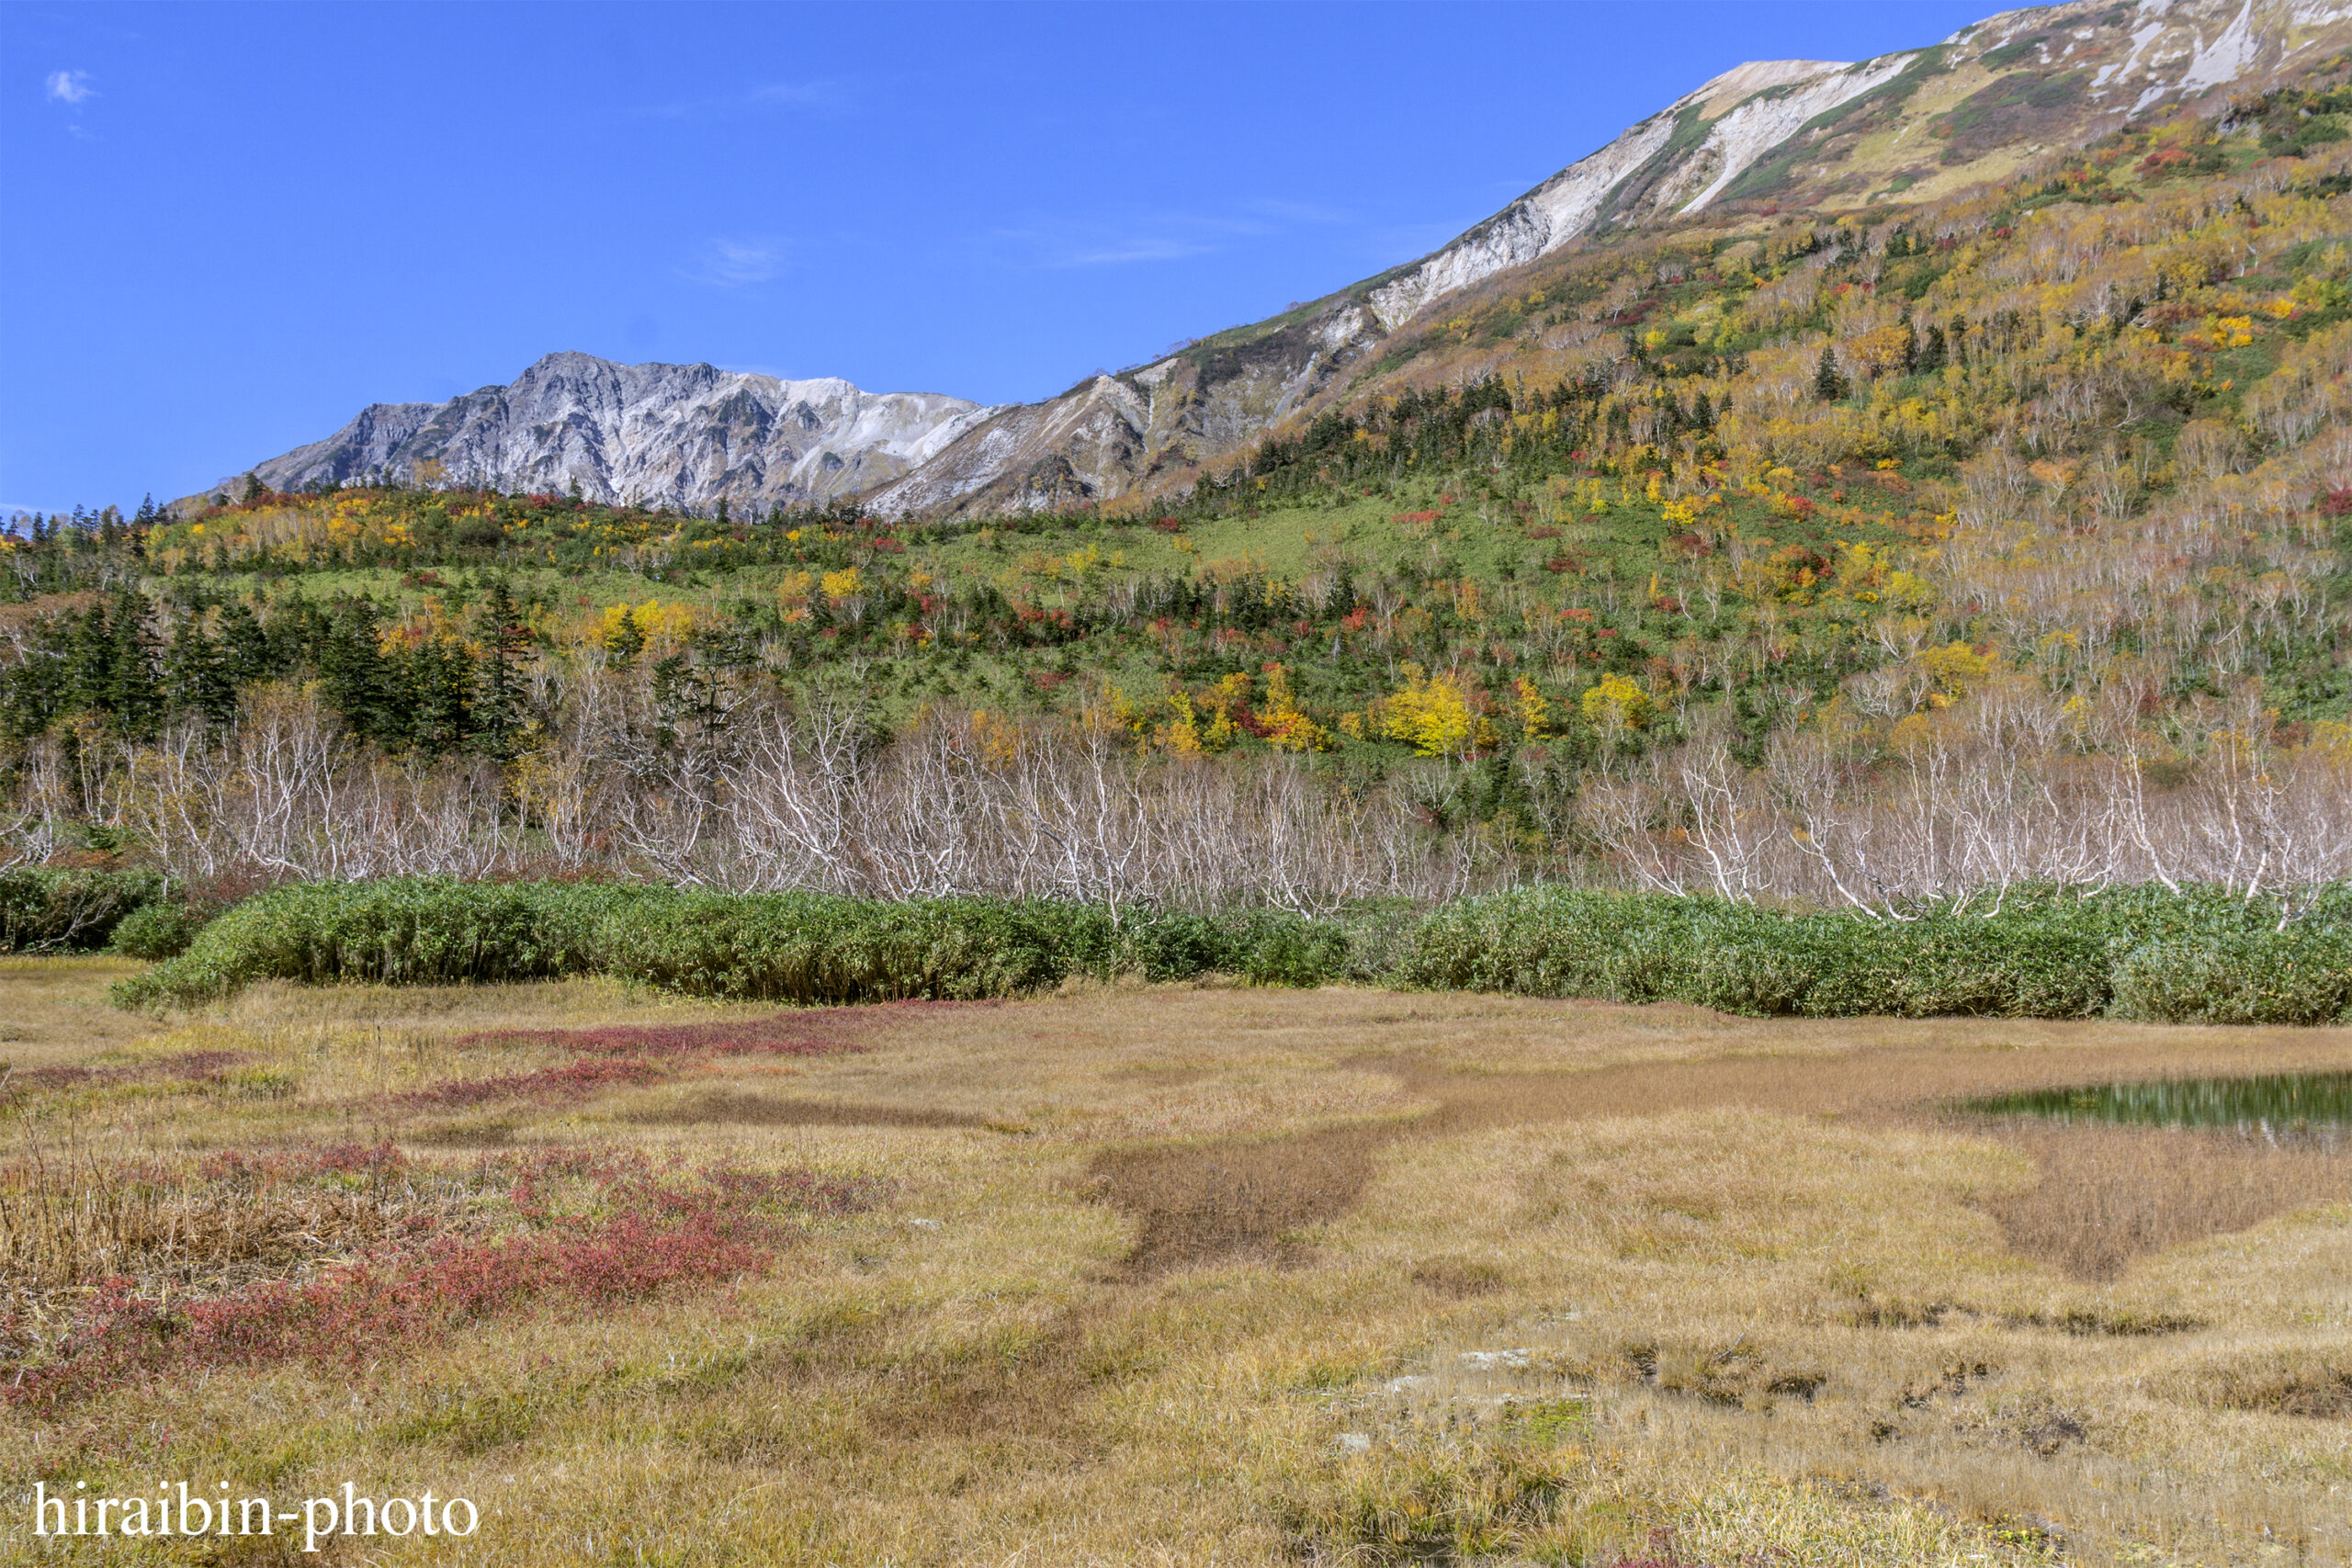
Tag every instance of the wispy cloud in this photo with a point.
(798, 95)
(70, 87)
(1126, 239)
(737, 264)
(1302, 212)
(1142, 248)
(828, 96)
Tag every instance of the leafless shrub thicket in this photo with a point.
(2011, 785)
(2009, 788)
(756, 797)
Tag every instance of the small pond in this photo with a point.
(2270, 1104)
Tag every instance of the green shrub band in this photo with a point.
(790, 947)
(46, 909)
(2202, 955)
(2136, 953)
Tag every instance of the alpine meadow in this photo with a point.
(1669, 889)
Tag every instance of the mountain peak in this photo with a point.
(680, 436)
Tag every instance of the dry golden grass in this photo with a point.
(1182, 1275)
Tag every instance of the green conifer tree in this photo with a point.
(134, 692)
(196, 676)
(352, 674)
(245, 651)
(498, 684)
(1828, 381)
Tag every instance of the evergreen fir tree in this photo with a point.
(1932, 353)
(624, 641)
(196, 676)
(498, 699)
(134, 694)
(89, 662)
(1828, 382)
(440, 681)
(246, 653)
(351, 671)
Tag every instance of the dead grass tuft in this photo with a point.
(1229, 1202)
(1460, 1278)
(70, 1218)
(726, 1107)
(2108, 1195)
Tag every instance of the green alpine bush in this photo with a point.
(48, 910)
(2200, 956)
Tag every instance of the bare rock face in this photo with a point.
(1819, 136)
(1110, 433)
(1826, 136)
(679, 435)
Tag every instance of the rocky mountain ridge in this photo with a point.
(677, 436)
(1761, 139)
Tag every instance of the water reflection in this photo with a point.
(2304, 1108)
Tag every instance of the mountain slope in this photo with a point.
(1830, 137)
(1769, 136)
(1763, 138)
(678, 436)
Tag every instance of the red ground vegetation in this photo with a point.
(784, 1034)
(591, 1230)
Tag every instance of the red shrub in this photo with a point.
(650, 1234)
(195, 1066)
(785, 1035)
(581, 1079)
(59, 1077)
(198, 1063)
(305, 1162)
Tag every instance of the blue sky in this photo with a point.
(231, 227)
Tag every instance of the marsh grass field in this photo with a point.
(1161, 1274)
